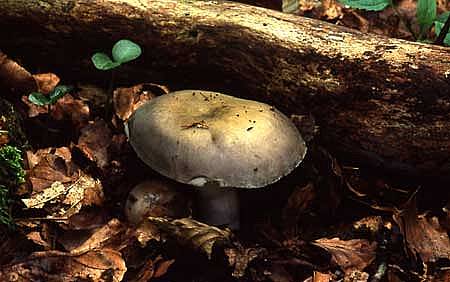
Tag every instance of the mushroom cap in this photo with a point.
(156, 197)
(199, 137)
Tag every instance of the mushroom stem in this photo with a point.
(219, 206)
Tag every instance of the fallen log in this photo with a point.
(379, 101)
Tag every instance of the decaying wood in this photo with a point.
(378, 100)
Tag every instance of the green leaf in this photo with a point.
(125, 50)
(426, 14)
(439, 24)
(38, 99)
(103, 62)
(370, 5)
(58, 92)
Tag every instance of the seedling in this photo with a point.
(40, 99)
(122, 52)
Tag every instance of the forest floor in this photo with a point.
(329, 220)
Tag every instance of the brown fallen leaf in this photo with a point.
(64, 200)
(153, 269)
(58, 185)
(96, 96)
(36, 237)
(15, 81)
(98, 265)
(48, 166)
(355, 254)
(321, 277)
(356, 276)
(102, 237)
(371, 223)
(95, 141)
(239, 258)
(46, 82)
(72, 109)
(192, 233)
(423, 237)
(87, 219)
(127, 100)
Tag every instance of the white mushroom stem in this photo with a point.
(219, 206)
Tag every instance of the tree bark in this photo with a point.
(379, 101)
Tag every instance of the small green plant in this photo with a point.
(12, 175)
(40, 99)
(123, 51)
(425, 13)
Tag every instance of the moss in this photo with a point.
(11, 121)
(12, 175)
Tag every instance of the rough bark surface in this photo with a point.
(378, 100)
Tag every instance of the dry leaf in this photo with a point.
(96, 96)
(371, 223)
(162, 266)
(94, 142)
(321, 277)
(101, 237)
(99, 265)
(69, 108)
(192, 233)
(350, 255)
(46, 82)
(65, 200)
(153, 269)
(87, 218)
(127, 100)
(422, 237)
(14, 79)
(356, 276)
(147, 231)
(50, 165)
(36, 237)
(239, 258)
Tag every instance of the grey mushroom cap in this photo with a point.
(199, 137)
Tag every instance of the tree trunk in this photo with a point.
(377, 100)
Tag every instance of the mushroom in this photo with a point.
(159, 198)
(218, 143)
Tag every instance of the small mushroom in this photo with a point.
(157, 198)
(218, 143)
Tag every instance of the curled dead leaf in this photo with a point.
(48, 166)
(127, 100)
(72, 109)
(192, 233)
(46, 82)
(64, 200)
(423, 237)
(94, 142)
(97, 265)
(239, 258)
(14, 79)
(350, 255)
